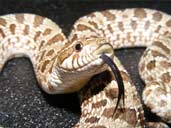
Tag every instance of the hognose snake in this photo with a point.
(65, 65)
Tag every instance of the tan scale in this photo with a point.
(66, 65)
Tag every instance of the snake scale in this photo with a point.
(64, 65)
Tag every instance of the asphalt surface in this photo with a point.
(22, 102)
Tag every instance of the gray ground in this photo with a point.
(22, 103)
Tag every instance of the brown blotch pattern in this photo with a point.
(19, 18)
(73, 38)
(156, 53)
(12, 28)
(124, 75)
(151, 65)
(165, 64)
(166, 77)
(121, 26)
(154, 83)
(3, 48)
(147, 25)
(142, 67)
(162, 46)
(140, 13)
(168, 23)
(3, 22)
(128, 37)
(42, 55)
(162, 103)
(157, 16)
(81, 27)
(38, 20)
(158, 29)
(110, 28)
(27, 43)
(64, 54)
(92, 120)
(2, 33)
(50, 52)
(47, 31)
(125, 16)
(93, 23)
(41, 44)
(51, 66)
(99, 104)
(141, 116)
(167, 33)
(169, 113)
(44, 65)
(150, 78)
(133, 24)
(108, 15)
(26, 29)
(108, 112)
(131, 117)
(112, 93)
(51, 88)
(118, 36)
(55, 39)
(160, 90)
(37, 35)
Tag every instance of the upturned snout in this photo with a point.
(105, 48)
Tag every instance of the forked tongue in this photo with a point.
(118, 78)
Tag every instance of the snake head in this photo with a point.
(83, 55)
(79, 60)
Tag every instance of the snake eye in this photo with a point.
(78, 46)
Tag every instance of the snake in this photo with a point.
(80, 62)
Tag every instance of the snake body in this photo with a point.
(64, 65)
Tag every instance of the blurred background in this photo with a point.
(22, 103)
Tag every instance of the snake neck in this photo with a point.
(65, 82)
(62, 81)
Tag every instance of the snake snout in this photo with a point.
(105, 48)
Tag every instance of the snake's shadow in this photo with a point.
(63, 101)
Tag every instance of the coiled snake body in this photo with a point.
(65, 65)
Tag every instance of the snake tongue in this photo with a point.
(118, 78)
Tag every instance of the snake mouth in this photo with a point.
(118, 78)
